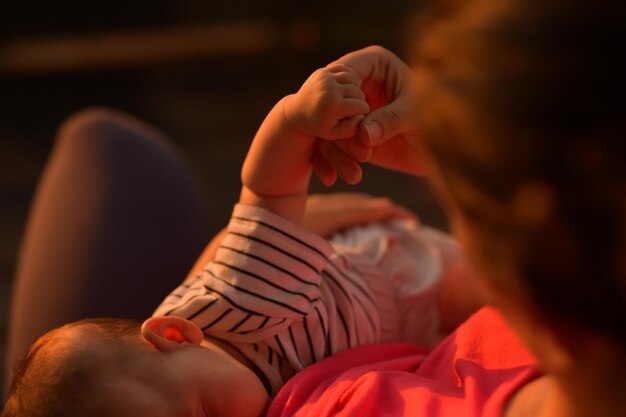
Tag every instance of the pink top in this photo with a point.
(473, 372)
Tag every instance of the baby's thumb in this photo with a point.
(382, 124)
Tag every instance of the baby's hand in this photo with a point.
(329, 105)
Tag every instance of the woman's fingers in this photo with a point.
(355, 149)
(323, 170)
(342, 163)
(345, 127)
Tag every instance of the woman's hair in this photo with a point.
(522, 105)
(60, 377)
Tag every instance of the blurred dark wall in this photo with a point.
(24, 18)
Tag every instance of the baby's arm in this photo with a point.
(278, 167)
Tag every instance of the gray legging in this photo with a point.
(117, 222)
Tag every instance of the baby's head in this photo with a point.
(117, 367)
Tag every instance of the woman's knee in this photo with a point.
(97, 126)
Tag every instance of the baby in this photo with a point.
(274, 299)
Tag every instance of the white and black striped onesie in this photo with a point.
(287, 298)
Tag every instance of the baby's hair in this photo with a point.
(515, 93)
(56, 378)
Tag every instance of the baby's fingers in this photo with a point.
(346, 128)
(353, 91)
(349, 113)
(352, 106)
(345, 72)
(324, 171)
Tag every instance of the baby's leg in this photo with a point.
(116, 223)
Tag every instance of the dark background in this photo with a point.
(229, 63)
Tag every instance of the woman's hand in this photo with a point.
(386, 81)
(327, 214)
(389, 130)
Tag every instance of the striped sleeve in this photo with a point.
(265, 274)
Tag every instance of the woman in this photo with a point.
(519, 121)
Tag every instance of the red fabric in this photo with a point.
(472, 373)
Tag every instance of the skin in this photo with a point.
(278, 167)
(173, 371)
(219, 381)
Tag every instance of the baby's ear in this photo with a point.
(170, 333)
